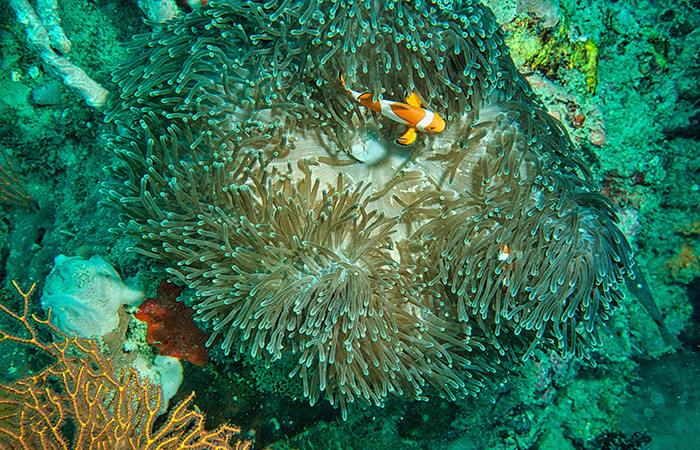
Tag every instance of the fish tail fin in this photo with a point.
(408, 138)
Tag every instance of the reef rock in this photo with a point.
(85, 295)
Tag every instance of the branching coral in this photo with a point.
(81, 401)
(249, 175)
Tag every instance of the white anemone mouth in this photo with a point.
(368, 149)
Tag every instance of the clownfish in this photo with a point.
(504, 253)
(410, 113)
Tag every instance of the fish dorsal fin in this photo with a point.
(413, 100)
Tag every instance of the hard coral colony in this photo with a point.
(249, 174)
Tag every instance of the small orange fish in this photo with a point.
(410, 113)
(504, 253)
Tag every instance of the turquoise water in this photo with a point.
(636, 125)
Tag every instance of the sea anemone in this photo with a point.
(250, 175)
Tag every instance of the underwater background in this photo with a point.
(622, 76)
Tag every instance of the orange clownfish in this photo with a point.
(410, 113)
(504, 253)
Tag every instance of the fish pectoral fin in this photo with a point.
(413, 100)
(408, 138)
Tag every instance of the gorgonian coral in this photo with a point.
(249, 174)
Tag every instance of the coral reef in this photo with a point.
(86, 299)
(647, 94)
(171, 327)
(11, 189)
(159, 11)
(619, 441)
(549, 11)
(548, 51)
(44, 31)
(583, 118)
(84, 296)
(81, 400)
(684, 265)
(164, 371)
(417, 272)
